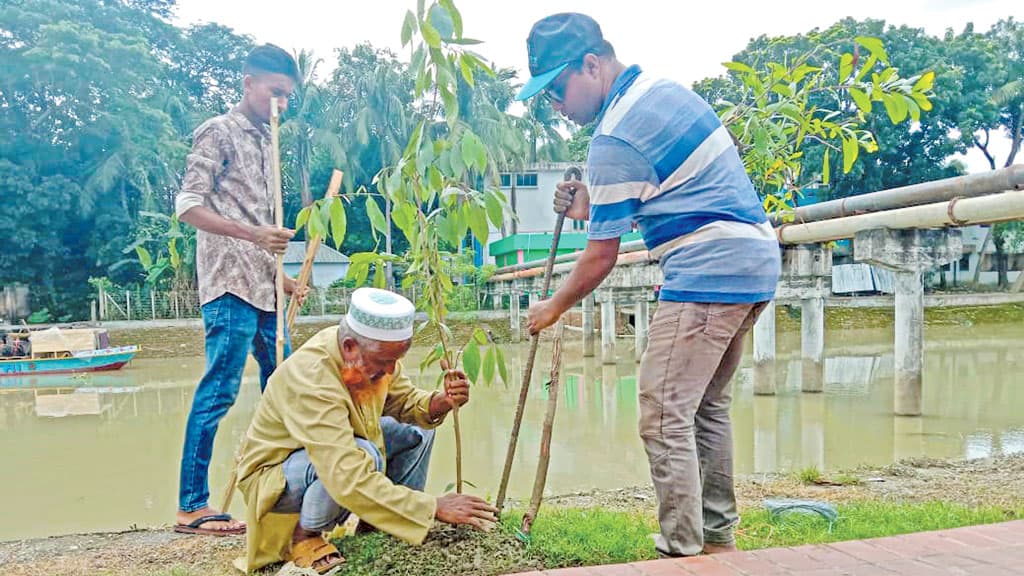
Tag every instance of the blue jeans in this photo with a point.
(408, 448)
(233, 328)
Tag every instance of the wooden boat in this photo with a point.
(65, 351)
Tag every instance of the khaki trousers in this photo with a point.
(692, 353)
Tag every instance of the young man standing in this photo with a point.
(227, 196)
(661, 158)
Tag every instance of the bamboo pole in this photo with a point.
(524, 389)
(275, 161)
(312, 246)
(545, 439)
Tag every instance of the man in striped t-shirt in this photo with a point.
(661, 158)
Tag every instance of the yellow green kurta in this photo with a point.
(306, 405)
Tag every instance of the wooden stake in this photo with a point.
(312, 246)
(275, 161)
(524, 388)
(545, 439)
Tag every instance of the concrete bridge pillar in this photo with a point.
(764, 351)
(588, 326)
(513, 307)
(807, 269)
(642, 324)
(607, 300)
(908, 253)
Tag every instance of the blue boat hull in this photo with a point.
(92, 361)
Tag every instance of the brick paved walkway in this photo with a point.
(989, 550)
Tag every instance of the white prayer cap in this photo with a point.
(380, 315)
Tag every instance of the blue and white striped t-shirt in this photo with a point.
(660, 157)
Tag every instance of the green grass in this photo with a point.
(565, 537)
(810, 475)
(862, 520)
(576, 537)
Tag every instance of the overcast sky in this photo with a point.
(666, 39)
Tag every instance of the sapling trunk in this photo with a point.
(545, 440)
(524, 389)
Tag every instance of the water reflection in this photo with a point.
(101, 452)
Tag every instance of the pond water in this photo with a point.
(101, 452)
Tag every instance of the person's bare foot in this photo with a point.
(215, 526)
(719, 548)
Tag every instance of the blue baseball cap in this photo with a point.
(556, 42)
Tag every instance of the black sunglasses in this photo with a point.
(555, 92)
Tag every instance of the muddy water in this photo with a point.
(101, 452)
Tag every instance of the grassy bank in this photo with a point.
(587, 528)
(567, 537)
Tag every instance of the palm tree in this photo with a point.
(313, 125)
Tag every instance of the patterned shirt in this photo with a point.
(229, 172)
(661, 158)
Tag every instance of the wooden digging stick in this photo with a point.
(312, 245)
(572, 173)
(275, 162)
(545, 439)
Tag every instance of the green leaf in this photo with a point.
(315, 226)
(915, 111)
(896, 106)
(468, 146)
(436, 180)
(861, 99)
(403, 215)
(867, 67)
(875, 46)
(494, 209)
(302, 218)
(408, 27)
(826, 170)
(738, 67)
(380, 279)
(845, 66)
(144, 258)
(502, 368)
(448, 229)
(480, 336)
(471, 361)
(377, 219)
(430, 34)
(467, 70)
(339, 222)
(432, 357)
(477, 217)
(850, 151)
(172, 249)
(442, 21)
(925, 82)
(456, 17)
(489, 365)
(922, 101)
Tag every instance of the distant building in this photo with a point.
(528, 237)
(328, 264)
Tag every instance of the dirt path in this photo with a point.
(995, 482)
